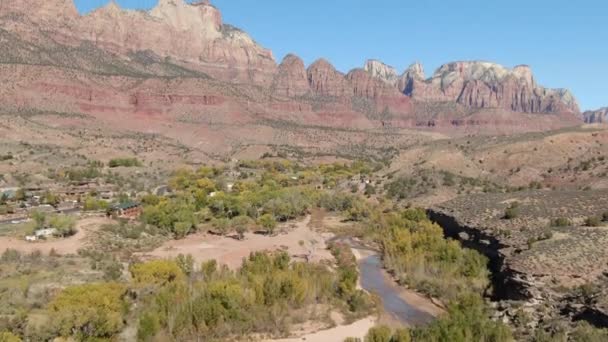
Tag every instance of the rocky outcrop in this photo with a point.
(379, 70)
(39, 9)
(411, 79)
(365, 85)
(325, 80)
(539, 268)
(192, 35)
(291, 79)
(596, 116)
(487, 85)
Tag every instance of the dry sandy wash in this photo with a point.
(298, 239)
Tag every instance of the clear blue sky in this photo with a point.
(564, 41)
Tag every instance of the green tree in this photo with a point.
(241, 225)
(65, 225)
(39, 219)
(268, 222)
(50, 198)
(467, 320)
(185, 263)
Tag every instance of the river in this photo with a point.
(374, 279)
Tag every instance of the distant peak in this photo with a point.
(112, 6)
(199, 16)
(290, 57)
(415, 70)
(380, 70)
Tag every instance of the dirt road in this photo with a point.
(66, 246)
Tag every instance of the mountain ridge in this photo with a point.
(208, 46)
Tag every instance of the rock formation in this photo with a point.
(325, 80)
(486, 85)
(596, 116)
(363, 84)
(291, 79)
(382, 71)
(179, 40)
(188, 34)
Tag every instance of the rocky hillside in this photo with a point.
(596, 116)
(541, 255)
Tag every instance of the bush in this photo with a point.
(379, 334)
(415, 250)
(268, 222)
(65, 225)
(217, 304)
(593, 221)
(157, 272)
(352, 339)
(512, 211)
(149, 325)
(89, 311)
(124, 162)
(8, 337)
(561, 222)
(467, 320)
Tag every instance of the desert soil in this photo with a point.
(66, 246)
(337, 334)
(298, 239)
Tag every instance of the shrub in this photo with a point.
(65, 225)
(268, 222)
(512, 211)
(89, 311)
(157, 272)
(593, 221)
(352, 339)
(8, 337)
(561, 222)
(467, 319)
(124, 162)
(149, 325)
(379, 334)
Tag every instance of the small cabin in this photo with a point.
(129, 210)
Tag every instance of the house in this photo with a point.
(129, 210)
